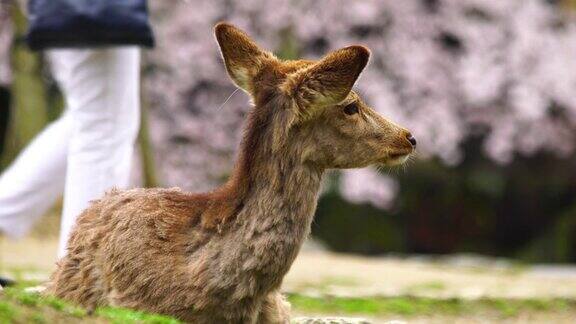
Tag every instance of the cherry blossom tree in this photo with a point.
(5, 41)
(446, 69)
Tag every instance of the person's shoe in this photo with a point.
(5, 282)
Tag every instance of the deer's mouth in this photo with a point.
(396, 158)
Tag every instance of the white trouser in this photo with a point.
(87, 151)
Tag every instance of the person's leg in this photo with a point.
(35, 180)
(102, 93)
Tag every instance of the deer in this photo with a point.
(220, 256)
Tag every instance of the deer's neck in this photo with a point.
(279, 206)
(282, 198)
(283, 192)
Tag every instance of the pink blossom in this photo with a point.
(440, 68)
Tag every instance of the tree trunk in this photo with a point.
(29, 105)
(146, 151)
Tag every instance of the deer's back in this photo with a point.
(129, 248)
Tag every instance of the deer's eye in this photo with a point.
(351, 109)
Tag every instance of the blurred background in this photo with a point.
(488, 87)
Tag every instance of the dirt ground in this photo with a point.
(317, 272)
(458, 276)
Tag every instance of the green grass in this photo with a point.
(121, 315)
(426, 287)
(413, 306)
(17, 306)
(7, 312)
(374, 306)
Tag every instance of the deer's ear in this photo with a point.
(329, 81)
(242, 57)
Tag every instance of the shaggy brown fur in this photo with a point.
(220, 257)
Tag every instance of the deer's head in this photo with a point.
(307, 108)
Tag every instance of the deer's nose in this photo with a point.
(411, 139)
